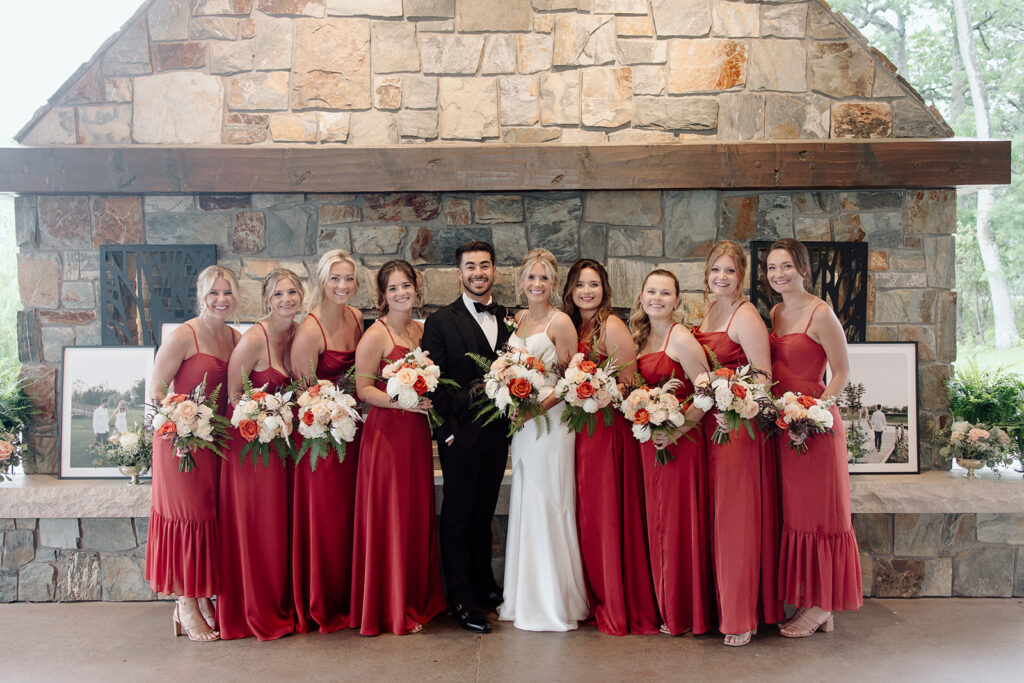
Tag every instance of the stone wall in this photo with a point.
(379, 72)
(908, 232)
(902, 556)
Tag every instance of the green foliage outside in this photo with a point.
(10, 294)
(920, 37)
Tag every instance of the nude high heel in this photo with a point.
(807, 624)
(206, 608)
(188, 621)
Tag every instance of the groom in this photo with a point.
(472, 458)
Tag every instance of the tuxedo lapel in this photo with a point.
(503, 331)
(469, 330)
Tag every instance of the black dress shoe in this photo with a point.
(490, 599)
(470, 619)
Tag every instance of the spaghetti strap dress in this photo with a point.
(743, 492)
(181, 550)
(396, 569)
(613, 536)
(323, 511)
(677, 515)
(819, 561)
(255, 536)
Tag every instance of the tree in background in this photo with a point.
(978, 86)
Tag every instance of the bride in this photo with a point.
(544, 588)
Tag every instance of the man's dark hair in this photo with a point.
(475, 245)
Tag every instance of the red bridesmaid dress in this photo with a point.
(677, 515)
(323, 510)
(743, 487)
(819, 560)
(610, 518)
(396, 572)
(181, 551)
(256, 593)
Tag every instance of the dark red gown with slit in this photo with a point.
(182, 548)
(743, 494)
(610, 518)
(396, 572)
(255, 538)
(820, 562)
(677, 515)
(323, 509)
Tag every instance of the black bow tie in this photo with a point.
(486, 308)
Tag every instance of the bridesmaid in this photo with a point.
(677, 497)
(324, 501)
(396, 575)
(181, 555)
(819, 570)
(609, 478)
(742, 474)
(256, 598)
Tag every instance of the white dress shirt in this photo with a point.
(488, 322)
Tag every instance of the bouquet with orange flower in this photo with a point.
(190, 421)
(588, 388)
(801, 417)
(736, 395)
(328, 418)
(412, 376)
(513, 386)
(264, 419)
(653, 410)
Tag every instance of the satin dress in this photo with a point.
(613, 537)
(396, 570)
(323, 512)
(255, 537)
(182, 555)
(743, 488)
(819, 559)
(677, 515)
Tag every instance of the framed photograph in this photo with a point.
(879, 408)
(103, 390)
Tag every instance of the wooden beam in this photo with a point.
(777, 165)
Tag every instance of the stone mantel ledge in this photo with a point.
(46, 496)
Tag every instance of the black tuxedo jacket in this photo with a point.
(449, 334)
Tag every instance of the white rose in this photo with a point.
(749, 410)
(677, 419)
(205, 432)
(406, 377)
(723, 397)
(408, 398)
(159, 420)
(271, 423)
(591, 405)
(128, 441)
(642, 433)
(502, 399)
(705, 403)
(393, 387)
(345, 431)
(659, 415)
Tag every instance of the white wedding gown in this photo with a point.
(544, 588)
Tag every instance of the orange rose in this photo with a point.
(520, 387)
(724, 372)
(641, 417)
(739, 390)
(176, 398)
(780, 423)
(248, 429)
(167, 430)
(307, 418)
(585, 390)
(314, 390)
(588, 366)
(806, 401)
(420, 386)
(534, 363)
(258, 395)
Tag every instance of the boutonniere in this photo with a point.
(510, 322)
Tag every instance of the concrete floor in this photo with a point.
(888, 640)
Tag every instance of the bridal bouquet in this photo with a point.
(588, 388)
(412, 376)
(131, 448)
(263, 419)
(514, 385)
(801, 417)
(736, 396)
(190, 421)
(327, 419)
(653, 410)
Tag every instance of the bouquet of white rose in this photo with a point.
(190, 421)
(736, 395)
(653, 410)
(513, 386)
(412, 376)
(588, 388)
(328, 418)
(801, 417)
(264, 419)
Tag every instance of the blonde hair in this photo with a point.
(639, 323)
(546, 259)
(271, 280)
(734, 251)
(205, 280)
(323, 271)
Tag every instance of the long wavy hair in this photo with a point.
(384, 273)
(604, 308)
(801, 259)
(739, 260)
(204, 284)
(546, 259)
(323, 271)
(639, 323)
(271, 280)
